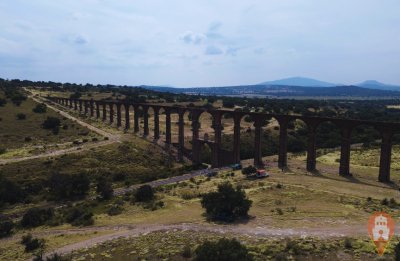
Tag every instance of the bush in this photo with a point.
(65, 186)
(114, 210)
(144, 193)
(31, 243)
(6, 226)
(397, 252)
(21, 116)
(35, 217)
(249, 170)
(227, 203)
(51, 123)
(222, 250)
(187, 252)
(40, 108)
(2, 102)
(10, 192)
(79, 216)
(104, 189)
(28, 139)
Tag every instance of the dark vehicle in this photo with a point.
(236, 166)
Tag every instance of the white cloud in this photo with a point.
(192, 38)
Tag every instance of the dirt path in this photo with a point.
(87, 146)
(135, 231)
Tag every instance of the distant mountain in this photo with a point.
(372, 84)
(300, 81)
(282, 91)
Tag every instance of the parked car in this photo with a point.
(261, 173)
(236, 166)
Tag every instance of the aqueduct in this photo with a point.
(222, 157)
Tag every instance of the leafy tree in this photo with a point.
(35, 217)
(51, 123)
(144, 193)
(6, 226)
(104, 188)
(2, 102)
(222, 250)
(76, 95)
(69, 186)
(40, 108)
(227, 203)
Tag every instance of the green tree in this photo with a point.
(227, 203)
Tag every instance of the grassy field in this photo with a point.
(172, 244)
(27, 137)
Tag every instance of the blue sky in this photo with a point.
(199, 43)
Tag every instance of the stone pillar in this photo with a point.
(236, 138)
(311, 147)
(181, 134)
(104, 111)
(80, 105)
(386, 155)
(156, 123)
(127, 118)
(136, 119)
(97, 110)
(217, 126)
(145, 121)
(119, 121)
(167, 127)
(282, 155)
(111, 113)
(91, 103)
(195, 137)
(70, 103)
(75, 105)
(257, 142)
(86, 105)
(344, 168)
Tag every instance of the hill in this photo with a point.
(281, 91)
(372, 84)
(300, 81)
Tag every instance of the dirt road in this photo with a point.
(135, 231)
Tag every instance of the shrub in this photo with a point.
(35, 217)
(144, 193)
(114, 210)
(79, 216)
(2, 102)
(187, 252)
(10, 192)
(222, 250)
(21, 116)
(2, 150)
(32, 243)
(348, 244)
(65, 186)
(28, 139)
(397, 252)
(227, 203)
(104, 189)
(51, 123)
(6, 226)
(249, 170)
(40, 108)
